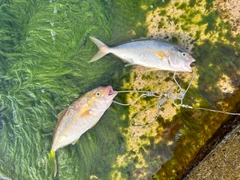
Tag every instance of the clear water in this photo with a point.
(44, 54)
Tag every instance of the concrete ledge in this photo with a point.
(223, 163)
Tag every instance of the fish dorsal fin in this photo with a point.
(61, 114)
(140, 39)
(159, 54)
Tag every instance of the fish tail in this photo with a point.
(103, 49)
(53, 162)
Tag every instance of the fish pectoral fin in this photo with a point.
(74, 142)
(152, 69)
(86, 113)
(62, 113)
(126, 65)
(159, 54)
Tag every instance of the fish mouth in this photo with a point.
(188, 65)
(110, 92)
(192, 64)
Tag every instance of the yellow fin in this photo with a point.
(160, 54)
(141, 38)
(53, 162)
(62, 113)
(86, 113)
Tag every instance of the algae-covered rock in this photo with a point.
(44, 54)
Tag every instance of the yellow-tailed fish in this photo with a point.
(80, 116)
(154, 54)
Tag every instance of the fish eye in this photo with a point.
(183, 54)
(98, 94)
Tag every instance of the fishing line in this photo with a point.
(145, 94)
(132, 123)
(163, 98)
(182, 94)
(159, 103)
(206, 109)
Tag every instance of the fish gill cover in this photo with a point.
(44, 54)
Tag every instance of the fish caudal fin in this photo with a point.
(53, 162)
(103, 49)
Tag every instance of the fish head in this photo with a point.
(180, 60)
(102, 97)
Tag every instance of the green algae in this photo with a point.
(44, 49)
(44, 62)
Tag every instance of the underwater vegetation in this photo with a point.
(44, 54)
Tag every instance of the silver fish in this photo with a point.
(154, 54)
(80, 116)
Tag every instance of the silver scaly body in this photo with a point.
(153, 54)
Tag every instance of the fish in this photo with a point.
(150, 53)
(79, 117)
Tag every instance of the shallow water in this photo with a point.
(44, 54)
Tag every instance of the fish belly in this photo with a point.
(150, 53)
(71, 130)
(143, 57)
